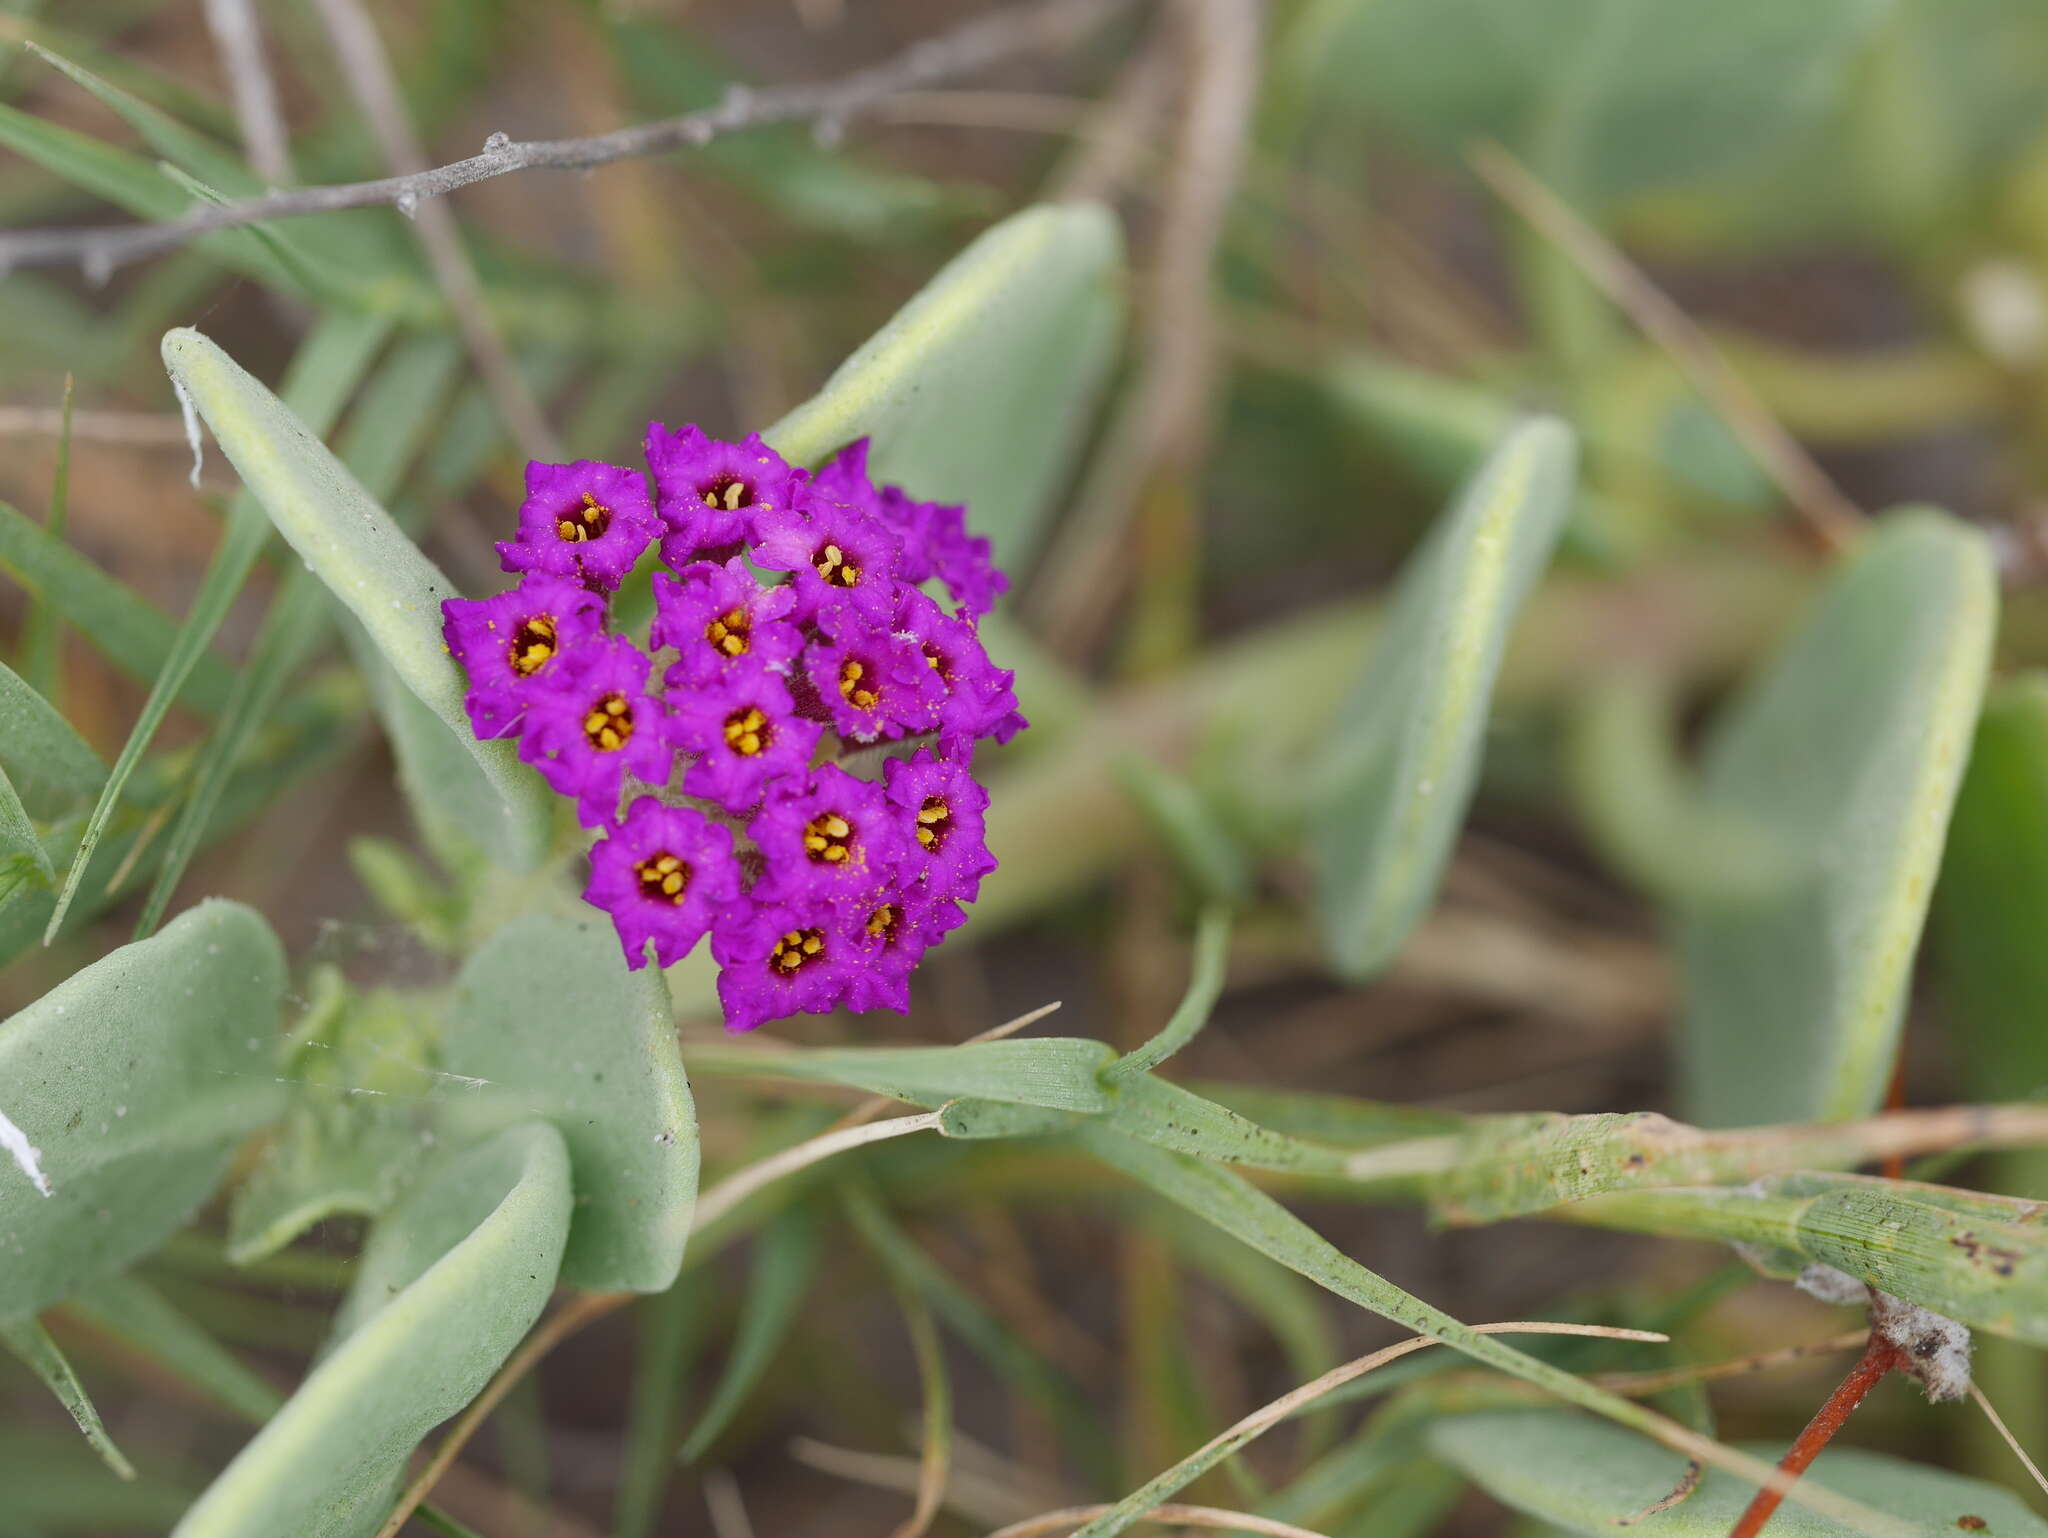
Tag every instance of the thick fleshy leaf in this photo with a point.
(31, 1344)
(1626, 94)
(351, 543)
(550, 1025)
(1585, 1476)
(48, 763)
(449, 1283)
(979, 389)
(1847, 751)
(1993, 893)
(1392, 786)
(125, 1090)
(362, 1081)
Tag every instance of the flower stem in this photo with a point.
(1878, 1358)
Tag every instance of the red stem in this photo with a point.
(1879, 1358)
(1895, 1164)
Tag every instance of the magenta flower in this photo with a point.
(941, 804)
(890, 938)
(718, 617)
(782, 959)
(746, 734)
(709, 492)
(874, 684)
(936, 544)
(843, 561)
(980, 698)
(663, 874)
(509, 645)
(835, 886)
(587, 520)
(589, 727)
(831, 838)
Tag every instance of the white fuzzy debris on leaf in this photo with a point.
(1936, 1347)
(25, 1153)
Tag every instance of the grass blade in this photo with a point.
(32, 1344)
(129, 1311)
(123, 626)
(39, 630)
(784, 1268)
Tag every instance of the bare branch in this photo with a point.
(1832, 517)
(1041, 28)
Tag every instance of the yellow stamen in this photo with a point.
(931, 822)
(747, 731)
(584, 523)
(663, 877)
(608, 725)
(729, 632)
(834, 567)
(850, 675)
(533, 645)
(828, 838)
(795, 948)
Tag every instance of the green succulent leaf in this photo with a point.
(1993, 893)
(125, 1091)
(1847, 752)
(1393, 783)
(449, 1283)
(1628, 98)
(393, 590)
(979, 389)
(1584, 1476)
(613, 1085)
(23, 860)
(47, 762)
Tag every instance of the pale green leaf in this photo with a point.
(48, 763)
(396, 411)
(23, 860)
(1994, 890)
(1847, 751)
(1056, 1072)
(323, 375)
(979, 390)
(133, 1081)
(550, 1025)
(351, 543)
(1584, 1476)
(30, 1342)
(449, 1283)
(1391, 787)
(1629, 94)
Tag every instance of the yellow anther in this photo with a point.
(829, 838)
(850, 688)
(796, 947)
(747, 731)
(883, 920)
(533, 644)
(664, 876)
(729, 632)
(834, 567)
(931, 822)
(608, 724)
(586, 522)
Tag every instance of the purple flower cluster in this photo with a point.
(818, 888)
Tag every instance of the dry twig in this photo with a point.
(375, 88)
(1044, 27)
(1832, 517)
(238, 35)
